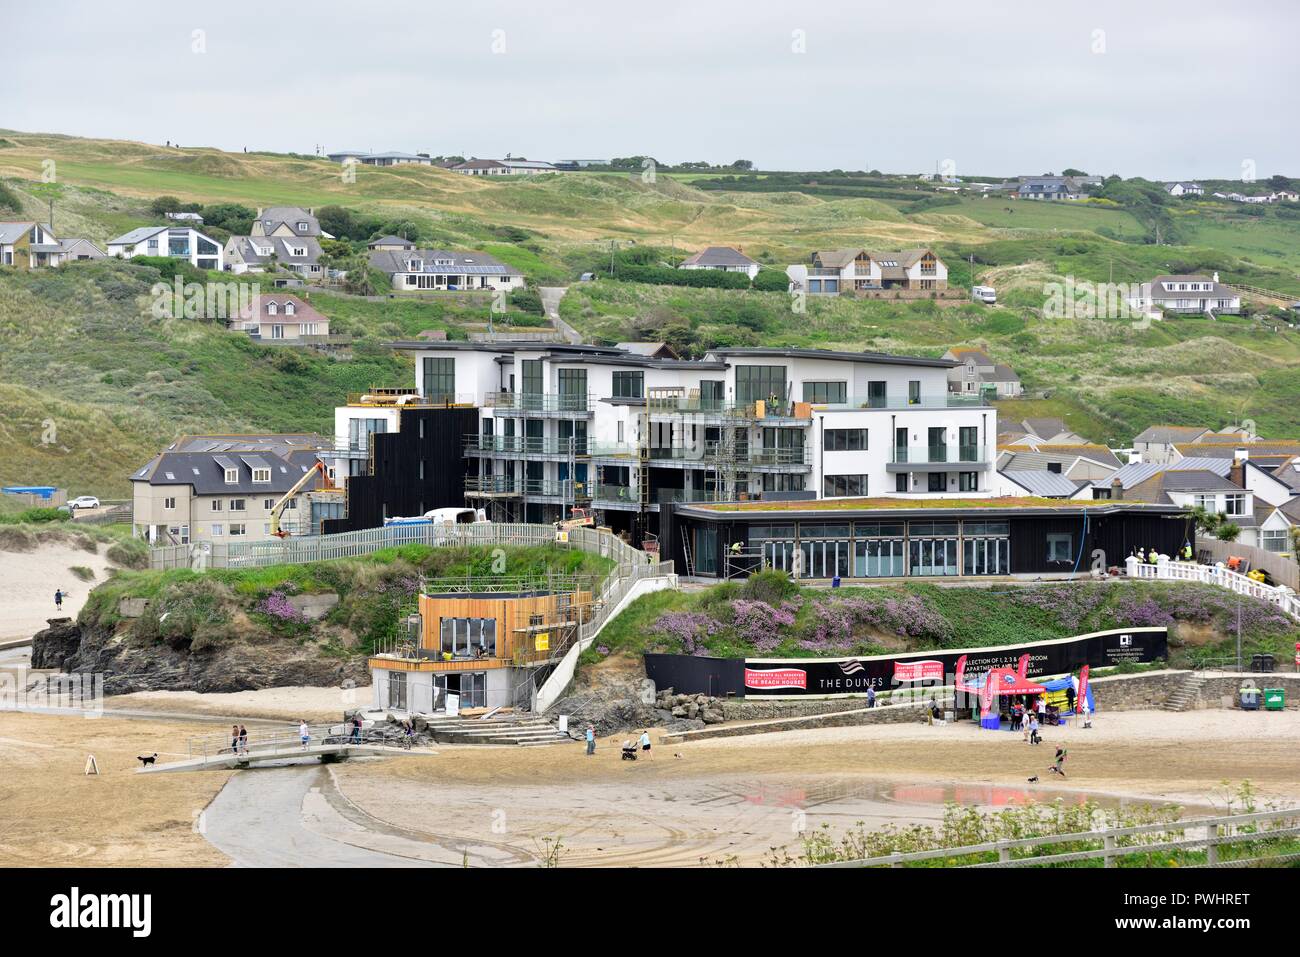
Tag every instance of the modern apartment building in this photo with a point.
(602, 427)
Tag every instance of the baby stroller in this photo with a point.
(629, 750)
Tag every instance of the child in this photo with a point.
(1059, 766)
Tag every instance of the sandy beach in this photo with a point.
(28, 581)
(278, 704)
(724, 800)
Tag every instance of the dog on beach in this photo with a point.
(1034, 779)
(146, 761)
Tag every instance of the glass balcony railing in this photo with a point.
(528, 402)
(969, 453)
(509, 486)
(946, 401)
(614, 493)
(938, 453)
(523, 445)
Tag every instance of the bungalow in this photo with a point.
(382, 159)
(178, 242)
(280, 316)
(510, 166)
(411, 269)
(858, 270)
(1184, 189)
(1084, 461)
(722, 258)
(1189, 294)
(978, 374)
(1047, 187)
(80, 249)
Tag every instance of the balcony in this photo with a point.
(899, 402)
(529, 403)
(507, 486)
(514, 446)
(936, 458)
(690, 405)
(408, 398)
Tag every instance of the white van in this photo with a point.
(984, 294)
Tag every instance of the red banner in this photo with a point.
(917, 670)
(776, 678)
(1081, 699)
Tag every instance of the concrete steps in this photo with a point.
(519, 732)
(1185, 695)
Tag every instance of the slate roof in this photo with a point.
(719, 256)
(273, 217)
(469, 263)
(137, 235)
(12, 232)
(1168, 434)
(1043, 483)
(302, 311)
(201, 462)
(248, 249)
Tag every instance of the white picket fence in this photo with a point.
(1167, 570)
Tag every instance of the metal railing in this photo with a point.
(555, 402)
(1114, 843)
(409, 398)
(953, 400)
(1166, 570)
(260, 741)
(526, 445)
(507, 485)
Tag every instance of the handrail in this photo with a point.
(1108, 835)
(1166, 570)
(217, 745)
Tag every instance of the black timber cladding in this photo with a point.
(429, 439)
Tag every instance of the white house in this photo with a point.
(510, 166)
(722, 258)
(179, 242)
(413, 269)
(1186, 294)
(839, 271)
(977, 373)
(1184, 189)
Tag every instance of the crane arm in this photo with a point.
(278, 508)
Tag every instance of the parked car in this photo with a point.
(85, 501)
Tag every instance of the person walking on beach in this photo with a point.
(58, 598)
(356, 729)
(871, 696)
(591, 740)
(1059, 766)
(304, 734)
(243, 740)
(645, 744)
(234, 739)
(1033, 730)
(1042, 709)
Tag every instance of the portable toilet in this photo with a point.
(1249, 698)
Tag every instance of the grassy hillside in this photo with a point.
(80, 350)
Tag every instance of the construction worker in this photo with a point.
(736, 547)
(1152, 557)
(1187, 551)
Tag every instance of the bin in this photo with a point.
(1266, 663)
(1248, 698)
(1274, 699)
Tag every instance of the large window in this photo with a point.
(1275, 539)
(844, 440)
(968, 481)
(878, 550)
(938, 481)
(969, 443)
(914, 392)
(986, 548)
(834, 486)
(1234, 504)
(360, 430)
(573, 389)
(826, 550)
(629, 385)
(938, 436)
(532, 369)
(932, 548)
(877, 395)
(754, 383)
(469, 637)
(397, 690)
(1060, 548)
(826, 392)
(440, 379)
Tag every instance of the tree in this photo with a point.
(742, 164)
(234, 218)
(1073, 172)
(164, 205)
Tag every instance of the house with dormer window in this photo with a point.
(837, 271)
(1186, 295)
(278, 317)
(413, 270)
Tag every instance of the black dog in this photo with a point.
(147, 761)
(1034, 779)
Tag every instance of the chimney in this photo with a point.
(1216, 276)
(1237, 474)
(259, 213)
(1116, 489)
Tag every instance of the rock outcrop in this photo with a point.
(245, 664)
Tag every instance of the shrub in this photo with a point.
(771, 280)
(769, 585)
(35, 516)
(82, 572)
(131, 553)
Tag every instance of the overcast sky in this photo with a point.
(1140, 87)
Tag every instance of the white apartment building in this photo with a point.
(564, 425)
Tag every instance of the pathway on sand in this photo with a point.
(293, 816)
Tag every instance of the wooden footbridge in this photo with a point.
(326, 743)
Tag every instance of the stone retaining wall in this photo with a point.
(883, 714)
(1149, 690)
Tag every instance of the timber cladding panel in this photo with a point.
(510, 612)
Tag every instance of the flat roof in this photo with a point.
(759, 352)
(814, 508)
